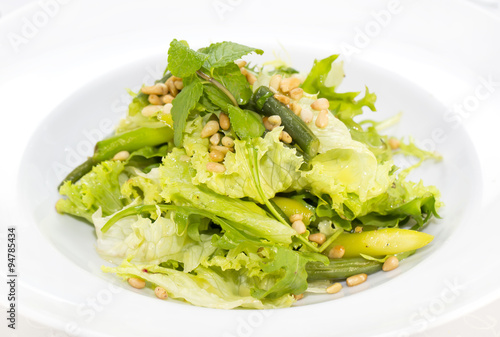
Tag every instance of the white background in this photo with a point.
(481, 322)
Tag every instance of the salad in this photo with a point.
(230, 185)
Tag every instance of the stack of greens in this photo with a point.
(222, 238)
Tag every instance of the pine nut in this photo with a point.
(356, 279)
(171, 87)
(167, 98)
(227, 141)
(267, 124)
(152, 90)
(290, 83)
(282, 98)
(336, 252)
(285, 137)
(295, 217)
(163, 87)
(137, 283)
(299, 226)
(251, 78)
(215, 139)
(358, 229)
(394, 143)
(151, 110)
(155, 100)
(275, 81)
(320, 104)
(241, 63)
(274, 120)
(319, 238)
(210, 129)
(216, 156)
(244, 71)
(122, 155)
(296, 93)
(161, 293)
(222, 149)
(306, 115)
(179, 85)
(167, 108)
(215, 167)
(225, 124)
(334, 288)
(298, 297)
(174, 78)
(390, 264)
(322, 119)
(296, 108)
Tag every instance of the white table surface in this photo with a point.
(484, 321)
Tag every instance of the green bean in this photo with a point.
(341, 269)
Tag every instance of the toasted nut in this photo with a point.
(267, 124)
(179, 85)
(174, 78)
(210, 129)
(322, 119)
(167, 98)
(356, 279)
(394, 143)
(336, 252)
(275, 120)
(122, 155)
(215, 139)
(358, 229)
(155, 100)
(320, 104)
(216, 156)
(299, 226)
(161, 293)
(296, 108)
(171, 87)
(390, 264)
(156, 89)
(296, 93)
(151, 110)
(225, 124)
(244, 71)
(227, 141)
(295, 217)
(275, 81)
(319, 238)
(215, 167)
(298, 297)
(167, 108)
(334, 288)
(251, 78)
(137, 283)
(306, 115)
(285, 137)
(222, 149)
(241, 63)
(282, 98)
(290, 83)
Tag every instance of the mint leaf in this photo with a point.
(223, 53)
(231, 77)
(181, 106)
(216, 96)
(245, 123)
(183, 61)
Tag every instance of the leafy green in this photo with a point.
(231, 77)
(223, 53)
(216, 96)
(183, 61)
(182, 105)
(100, 188)
(245, 123)
(315, 81)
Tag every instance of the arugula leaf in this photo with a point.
(183, 61)
(245, 123)
(182, 105)
(223, 53)
(231, 77)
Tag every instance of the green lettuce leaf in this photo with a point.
(100, 188)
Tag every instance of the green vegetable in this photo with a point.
(340, 269)
(292, 123)
(183, 61)
(223, 53)
(291, 207)
(182, 106)
(245, 123)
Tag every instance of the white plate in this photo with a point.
(418, 69)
